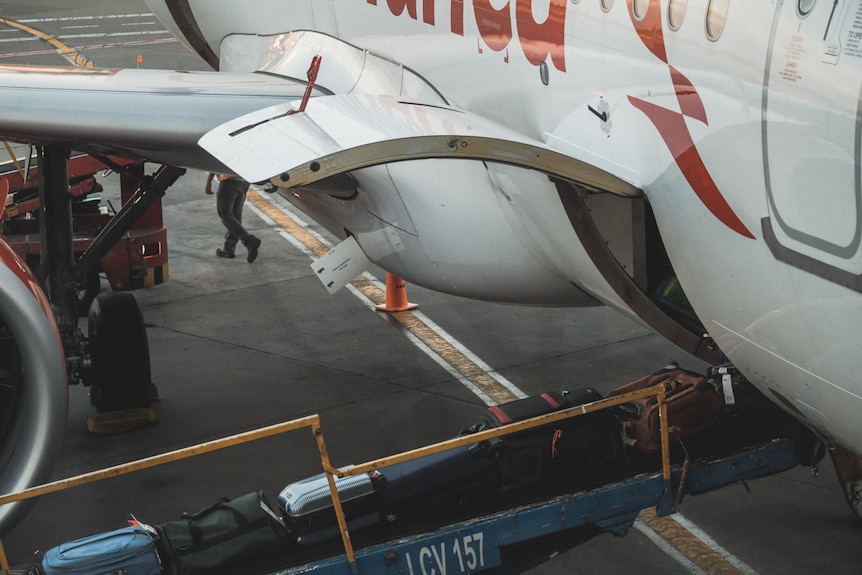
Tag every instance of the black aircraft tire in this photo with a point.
(119, 376)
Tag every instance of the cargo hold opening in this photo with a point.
(621, 236)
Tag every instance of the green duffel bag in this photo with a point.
(227, 534)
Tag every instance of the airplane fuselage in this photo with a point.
(739, 121)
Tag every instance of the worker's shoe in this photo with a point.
(252, 244)
(225, 254)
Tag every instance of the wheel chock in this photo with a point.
(121, 421)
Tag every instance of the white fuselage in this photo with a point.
(740, 121)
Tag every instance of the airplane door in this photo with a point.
(812, 123)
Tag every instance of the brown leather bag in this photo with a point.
(693, 406)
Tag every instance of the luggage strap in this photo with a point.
(243, 526)
(199, 545)
(504, 417)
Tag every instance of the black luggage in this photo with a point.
(221, 537)
(522, 409)
(572, 449)
(443, 485)
(464, 481)
(434, 487)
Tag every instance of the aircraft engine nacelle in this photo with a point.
(33, 385)
(508, 234)
(460, 204)
(448, 226)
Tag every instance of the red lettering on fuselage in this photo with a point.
(397, 7)
(457, 16)
(495, 26)
(539, 39)
(548, 38)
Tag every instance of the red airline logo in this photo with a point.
(673, 128)
(541, 40)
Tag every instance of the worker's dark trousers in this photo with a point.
(230, 199)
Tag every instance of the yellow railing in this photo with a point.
(313, 421)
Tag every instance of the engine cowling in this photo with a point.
(33, 385)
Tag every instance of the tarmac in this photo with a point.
(237, 346)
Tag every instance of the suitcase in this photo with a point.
(130, 551)
(461, 481)
(692, 407)
(572, 449)
(441, 485)
(522, 409)
(308, 513)
(429, 487)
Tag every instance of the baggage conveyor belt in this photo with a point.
(531, 524)
(513, 540)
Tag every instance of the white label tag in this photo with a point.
(727, 387)
(340, 265)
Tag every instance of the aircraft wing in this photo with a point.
(155, 115)
(245, 121)
(338, 134)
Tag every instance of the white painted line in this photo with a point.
(290, 212)
(78, 18)
(712, 544)
(668, 549)
(665, 546)
(113, 34)
(436, 357)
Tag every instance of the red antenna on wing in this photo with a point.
(312, 78)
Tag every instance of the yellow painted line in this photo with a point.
(682, 539)
(68, 52)
(427, 335)
(288, 224)
(675, 534)
(687, 543)
(696, 550)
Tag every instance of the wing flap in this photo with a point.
(158, 115)
(338, 134)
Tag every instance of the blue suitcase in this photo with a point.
(127, 551)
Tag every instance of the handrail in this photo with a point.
(156, 460)
(312, 421)
(660, 391)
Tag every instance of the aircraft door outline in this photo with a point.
(811, 158)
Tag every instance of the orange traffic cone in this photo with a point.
(396, 295)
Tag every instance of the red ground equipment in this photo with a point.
(138, 259)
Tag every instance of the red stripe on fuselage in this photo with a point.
(674, 131)
(672, 127)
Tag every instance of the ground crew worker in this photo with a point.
(230, 198)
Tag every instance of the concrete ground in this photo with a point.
(236, 346)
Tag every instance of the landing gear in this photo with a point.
(119, 374)
(113, 359)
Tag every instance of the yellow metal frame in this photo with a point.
(313, 421)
